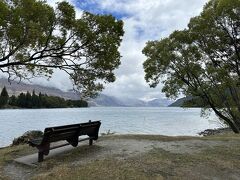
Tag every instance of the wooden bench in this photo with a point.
(70, 133)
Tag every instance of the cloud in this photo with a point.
(144, 20)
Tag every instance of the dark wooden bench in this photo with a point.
(70, 133)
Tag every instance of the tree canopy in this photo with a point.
(35, 39)
(28, 100)
(202, 60)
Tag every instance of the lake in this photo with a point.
(121, 120)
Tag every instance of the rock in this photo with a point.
(107, 133)
(26, 136)
(209, 132)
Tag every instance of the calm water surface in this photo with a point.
(121, 120)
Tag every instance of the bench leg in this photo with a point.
(40, 156)
(90, 142)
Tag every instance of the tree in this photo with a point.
(35, 100)
(35, 39)
(40, 97)
(21, 100)
(28, 100)
(4, 97)
(202, 61)
(12, 101)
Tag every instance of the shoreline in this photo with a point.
(204, 133)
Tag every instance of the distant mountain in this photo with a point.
(131, 102)
(159, 103)
(104, 100)
(16, 88)
(189, 102)
(180, 102)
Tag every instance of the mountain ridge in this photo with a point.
(179, 102)
(16, 88)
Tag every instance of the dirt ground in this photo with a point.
(137, 157)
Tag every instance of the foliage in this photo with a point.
(4, 97)
(35, 39)
(202, 61)
(43, 101)
(194, 102)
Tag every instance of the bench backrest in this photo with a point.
(57, 133)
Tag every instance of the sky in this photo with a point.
(144, 20)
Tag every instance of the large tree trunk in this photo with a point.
(231, 124)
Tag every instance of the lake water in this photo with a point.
(121, 120)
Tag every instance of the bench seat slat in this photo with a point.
(65, 129)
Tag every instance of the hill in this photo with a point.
(16, 88)
(189, 102)
(180, 102)
(105, 100)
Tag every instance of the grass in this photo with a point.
(220, 162)
(157, 164)
(103, 169)
(9, 153)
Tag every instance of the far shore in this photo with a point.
(15, 107)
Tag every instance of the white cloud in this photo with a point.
(146, 20)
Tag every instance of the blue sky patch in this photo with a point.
(94, 6)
